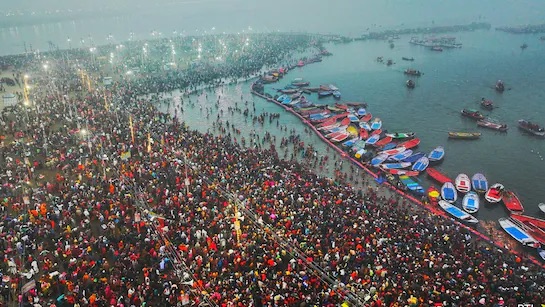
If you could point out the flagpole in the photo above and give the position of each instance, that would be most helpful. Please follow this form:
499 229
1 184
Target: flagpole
132 128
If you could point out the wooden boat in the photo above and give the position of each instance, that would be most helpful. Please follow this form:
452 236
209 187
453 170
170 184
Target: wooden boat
457 213
542 207
500 86
373 139
341 106
473 114
402 155
487 104
514 229
367 117
530 220
407 59
323 94
395 165
392 152
414 157
300 84
512 202
463 185
470 202
356 104
479 183
353 118
378 159
436 48
328 128
365 125
343 136
364 134
350 142
448 192
376 124
389 146
334 109
358 145
395 171
334 134
434 196
338 129
412 72
336 94
531 128
464 135
352 130
383 141
540 251
421 164
412 185
437 154
494 193
410 84
361 112
437 175
491 125
401 135
410 143
376 132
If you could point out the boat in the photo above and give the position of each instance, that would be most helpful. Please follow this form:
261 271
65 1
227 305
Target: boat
390 62
361 112
437 154
300 64
448 192
352 130
407 59
376 124
421 164
393 151
512 202
328 128
372 139
318 118
383 141
436 48
473 114
414 157
396 171
523 46
514 229
494 193
334 109
378 159
282 97
395 165
531 128
365 125
323 94
336 94
529 220
500 86
412 143
300 84
540 251
437 175
434 195
367 117
457 213
341 106
360 153
412 72
353 118
470 202
479 183
389 146
542 207
401 156
350 142
410 84
401 135
412 185
334 134
343 136
364 134
487 104
462 183
464 135
377 132
491 125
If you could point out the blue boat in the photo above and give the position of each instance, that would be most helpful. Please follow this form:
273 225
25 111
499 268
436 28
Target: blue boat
378 159
457 213
281 98
448 192
516 230
365 126
353 118
437 154
421 164
376 124
400 156
414 157
412 185
373 139
337 94
287 100
361 112
479 183
324 94
395 165
319 117
389 146
470 202
351 142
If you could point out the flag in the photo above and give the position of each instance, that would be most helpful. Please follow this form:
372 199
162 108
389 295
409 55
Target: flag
149 142
132 129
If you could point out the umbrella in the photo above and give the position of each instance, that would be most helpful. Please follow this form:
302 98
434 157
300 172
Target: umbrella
434 194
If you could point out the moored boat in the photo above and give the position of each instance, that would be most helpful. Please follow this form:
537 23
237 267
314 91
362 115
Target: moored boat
462 183
372 139
529 220
401 135
437 175
437 154
367 117
336 94
437 48
491 125
412 185
407 59
412 72
531 128
396 171
494 193
433 194
395 165
512 202
360 153
401 156
412 143
479 183
361 112
341 137
514 229
470 202
473 114
542 207
464 135
376 124
393 151
353 118
378 159
350 142
323 94
414 157
448 192
500 86
421 164
383 141
457 213
487 104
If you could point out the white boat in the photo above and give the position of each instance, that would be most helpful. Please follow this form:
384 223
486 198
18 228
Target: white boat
448 192
378 159
479 183
365 125
457 213
353 118
494 194
542 207
517 231
470 203
463 185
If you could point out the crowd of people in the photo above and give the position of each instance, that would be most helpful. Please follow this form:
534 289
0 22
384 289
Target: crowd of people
108 202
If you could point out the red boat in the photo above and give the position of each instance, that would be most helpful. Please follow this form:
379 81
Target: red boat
364 134
490 125
410 143
437 175
474 114
529 220
345 122
367 117
512 202
395 171
334 117
377 132
329 122
341 106
433 194
383 141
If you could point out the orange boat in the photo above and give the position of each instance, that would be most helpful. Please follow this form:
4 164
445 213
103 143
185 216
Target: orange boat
512 202
383 141
529 220
410 143
437 175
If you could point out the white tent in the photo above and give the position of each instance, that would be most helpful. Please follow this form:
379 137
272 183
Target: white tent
8 100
